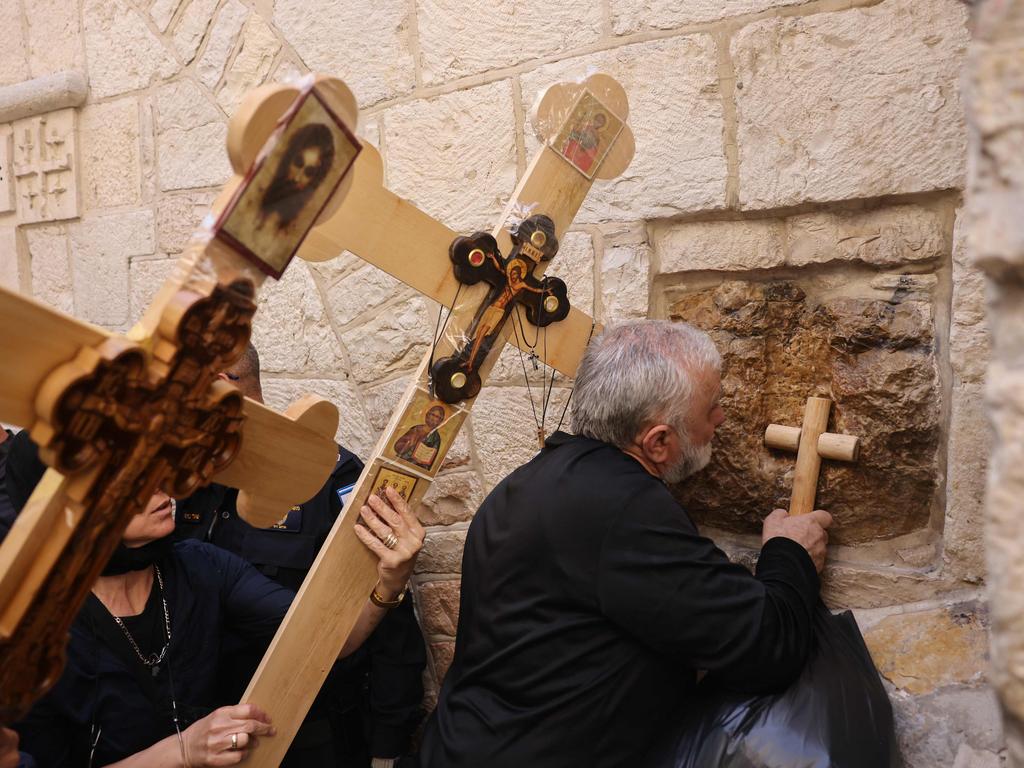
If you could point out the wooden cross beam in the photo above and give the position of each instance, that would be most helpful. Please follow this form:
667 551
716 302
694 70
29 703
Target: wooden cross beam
585 135
118 417
811 443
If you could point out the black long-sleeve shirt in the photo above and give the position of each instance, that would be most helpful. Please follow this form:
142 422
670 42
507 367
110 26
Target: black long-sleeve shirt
209 592
381 682
589 601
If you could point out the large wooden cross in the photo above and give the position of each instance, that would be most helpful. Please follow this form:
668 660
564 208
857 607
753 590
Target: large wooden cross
118 417
583 127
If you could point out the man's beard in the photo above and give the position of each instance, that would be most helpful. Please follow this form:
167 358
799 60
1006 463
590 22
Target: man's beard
692 461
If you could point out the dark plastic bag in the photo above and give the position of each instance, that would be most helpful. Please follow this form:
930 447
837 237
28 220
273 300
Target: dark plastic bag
836 715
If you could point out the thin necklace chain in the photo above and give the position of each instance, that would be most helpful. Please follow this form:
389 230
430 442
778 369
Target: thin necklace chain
153 659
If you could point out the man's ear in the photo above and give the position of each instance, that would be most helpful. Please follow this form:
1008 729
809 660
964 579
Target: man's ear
655 443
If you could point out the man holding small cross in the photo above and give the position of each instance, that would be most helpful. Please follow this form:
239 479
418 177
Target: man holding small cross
589 599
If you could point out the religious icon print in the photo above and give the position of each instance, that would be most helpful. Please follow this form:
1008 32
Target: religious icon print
286 190
587 134
424 433
401 482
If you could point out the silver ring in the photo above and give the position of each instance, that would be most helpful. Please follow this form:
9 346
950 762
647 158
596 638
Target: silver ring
234 741
390 540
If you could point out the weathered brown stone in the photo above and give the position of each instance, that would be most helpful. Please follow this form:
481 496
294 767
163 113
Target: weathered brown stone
453 498
442 653
442 552
439 607
872 353
923 651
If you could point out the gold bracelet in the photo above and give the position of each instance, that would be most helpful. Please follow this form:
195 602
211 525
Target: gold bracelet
380 602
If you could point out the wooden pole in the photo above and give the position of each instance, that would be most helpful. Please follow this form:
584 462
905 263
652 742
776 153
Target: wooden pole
808 461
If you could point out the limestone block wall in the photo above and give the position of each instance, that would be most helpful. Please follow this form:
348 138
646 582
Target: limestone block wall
996 238
797 190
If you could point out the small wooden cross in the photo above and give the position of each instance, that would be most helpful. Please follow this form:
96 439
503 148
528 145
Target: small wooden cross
585 135
812 443
118 417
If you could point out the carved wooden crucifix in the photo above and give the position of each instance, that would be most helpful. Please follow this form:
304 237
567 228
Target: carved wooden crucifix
118 417
585 135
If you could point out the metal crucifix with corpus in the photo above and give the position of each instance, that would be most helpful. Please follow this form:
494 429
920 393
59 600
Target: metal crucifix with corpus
119 417
484 279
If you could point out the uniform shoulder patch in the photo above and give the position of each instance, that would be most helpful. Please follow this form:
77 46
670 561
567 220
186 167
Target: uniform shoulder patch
344 492
290 523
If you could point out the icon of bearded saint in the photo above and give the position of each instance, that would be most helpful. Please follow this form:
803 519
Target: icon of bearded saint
305 164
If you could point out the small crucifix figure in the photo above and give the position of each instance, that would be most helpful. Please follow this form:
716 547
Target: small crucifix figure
512 282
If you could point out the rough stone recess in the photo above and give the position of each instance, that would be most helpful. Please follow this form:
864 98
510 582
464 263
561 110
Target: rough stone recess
459 38
782 342
850 104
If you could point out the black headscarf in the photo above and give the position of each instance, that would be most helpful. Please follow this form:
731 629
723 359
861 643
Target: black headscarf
24 471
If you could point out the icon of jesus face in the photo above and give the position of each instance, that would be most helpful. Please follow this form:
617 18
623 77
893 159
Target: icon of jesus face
434 416
305 164
305 167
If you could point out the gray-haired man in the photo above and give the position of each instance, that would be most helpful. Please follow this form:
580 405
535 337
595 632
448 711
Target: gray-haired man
589 599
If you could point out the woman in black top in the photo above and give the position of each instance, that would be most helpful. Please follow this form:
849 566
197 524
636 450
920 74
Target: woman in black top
139 687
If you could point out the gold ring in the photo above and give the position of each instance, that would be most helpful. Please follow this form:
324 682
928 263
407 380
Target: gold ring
391 540
234 741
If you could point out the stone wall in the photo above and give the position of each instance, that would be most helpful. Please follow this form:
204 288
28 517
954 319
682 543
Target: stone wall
996 239
796 190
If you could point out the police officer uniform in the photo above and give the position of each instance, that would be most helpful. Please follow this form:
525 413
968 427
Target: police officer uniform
371 702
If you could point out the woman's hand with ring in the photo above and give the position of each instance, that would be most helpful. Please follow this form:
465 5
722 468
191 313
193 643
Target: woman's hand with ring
225 736
391 517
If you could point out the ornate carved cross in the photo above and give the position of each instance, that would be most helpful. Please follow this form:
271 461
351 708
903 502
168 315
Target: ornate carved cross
583 127
118 417
476 258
